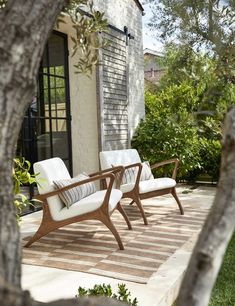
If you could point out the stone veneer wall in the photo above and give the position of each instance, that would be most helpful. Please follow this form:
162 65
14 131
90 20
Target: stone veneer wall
126 13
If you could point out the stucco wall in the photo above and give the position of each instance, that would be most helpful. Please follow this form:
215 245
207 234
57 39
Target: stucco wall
83 96
126 13
84 114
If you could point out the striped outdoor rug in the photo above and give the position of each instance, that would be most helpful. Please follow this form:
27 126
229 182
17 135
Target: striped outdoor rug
89 247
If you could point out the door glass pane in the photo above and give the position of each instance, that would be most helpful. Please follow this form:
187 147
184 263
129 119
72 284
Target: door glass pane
56 55
59 70
43 139
59 138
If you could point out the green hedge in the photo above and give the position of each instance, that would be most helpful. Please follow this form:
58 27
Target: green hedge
158 139
171 130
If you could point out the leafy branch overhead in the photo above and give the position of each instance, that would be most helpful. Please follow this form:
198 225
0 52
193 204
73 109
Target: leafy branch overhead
88 24
208 26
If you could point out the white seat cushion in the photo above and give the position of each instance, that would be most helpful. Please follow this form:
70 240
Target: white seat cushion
126 187
150 185
156 184
88 204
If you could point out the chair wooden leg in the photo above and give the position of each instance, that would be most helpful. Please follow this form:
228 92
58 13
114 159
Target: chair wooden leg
140 206
107 221
132 202
39 234
178 201
123 213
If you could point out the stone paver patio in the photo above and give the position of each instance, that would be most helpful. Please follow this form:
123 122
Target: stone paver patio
46 284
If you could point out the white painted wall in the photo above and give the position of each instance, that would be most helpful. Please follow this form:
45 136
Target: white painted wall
83 98
83 102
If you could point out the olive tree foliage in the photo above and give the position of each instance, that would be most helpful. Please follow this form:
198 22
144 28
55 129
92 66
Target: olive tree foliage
86 27
25 26
207 25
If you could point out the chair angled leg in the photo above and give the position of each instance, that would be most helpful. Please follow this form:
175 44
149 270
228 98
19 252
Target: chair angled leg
123 213
107 221
136 199
132 202
42 231
178 201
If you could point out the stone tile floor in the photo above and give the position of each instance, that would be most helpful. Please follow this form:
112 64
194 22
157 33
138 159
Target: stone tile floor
47 284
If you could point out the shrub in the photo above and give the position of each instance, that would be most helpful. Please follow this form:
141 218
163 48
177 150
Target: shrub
176 125
172 100
122 295
210 151
184 114
158 139
21 176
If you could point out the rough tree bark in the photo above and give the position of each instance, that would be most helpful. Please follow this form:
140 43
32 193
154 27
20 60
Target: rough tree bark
24 27
217 231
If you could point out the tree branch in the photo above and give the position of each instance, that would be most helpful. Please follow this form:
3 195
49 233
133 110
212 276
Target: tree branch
12 296
91 301
217 231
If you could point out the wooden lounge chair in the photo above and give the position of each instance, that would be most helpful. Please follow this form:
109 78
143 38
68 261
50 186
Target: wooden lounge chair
98 205
139 189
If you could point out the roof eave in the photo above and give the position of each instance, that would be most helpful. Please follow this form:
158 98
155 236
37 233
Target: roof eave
139 6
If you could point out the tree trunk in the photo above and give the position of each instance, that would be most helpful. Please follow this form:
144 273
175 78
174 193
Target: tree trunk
25 26
217 231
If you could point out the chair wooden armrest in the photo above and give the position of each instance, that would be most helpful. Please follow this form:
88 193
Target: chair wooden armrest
112 170
117 171
139 165
166 162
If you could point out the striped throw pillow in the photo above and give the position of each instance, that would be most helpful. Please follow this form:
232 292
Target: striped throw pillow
129 176
75 194
146 173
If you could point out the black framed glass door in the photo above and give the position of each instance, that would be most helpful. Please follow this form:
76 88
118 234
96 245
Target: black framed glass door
46 130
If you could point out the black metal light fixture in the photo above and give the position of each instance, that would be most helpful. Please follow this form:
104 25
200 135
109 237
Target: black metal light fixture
128 35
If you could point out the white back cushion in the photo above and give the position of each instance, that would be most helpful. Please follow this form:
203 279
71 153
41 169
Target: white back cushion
50 170
118 157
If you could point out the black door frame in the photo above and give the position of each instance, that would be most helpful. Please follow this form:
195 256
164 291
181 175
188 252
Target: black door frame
28 141
68 117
